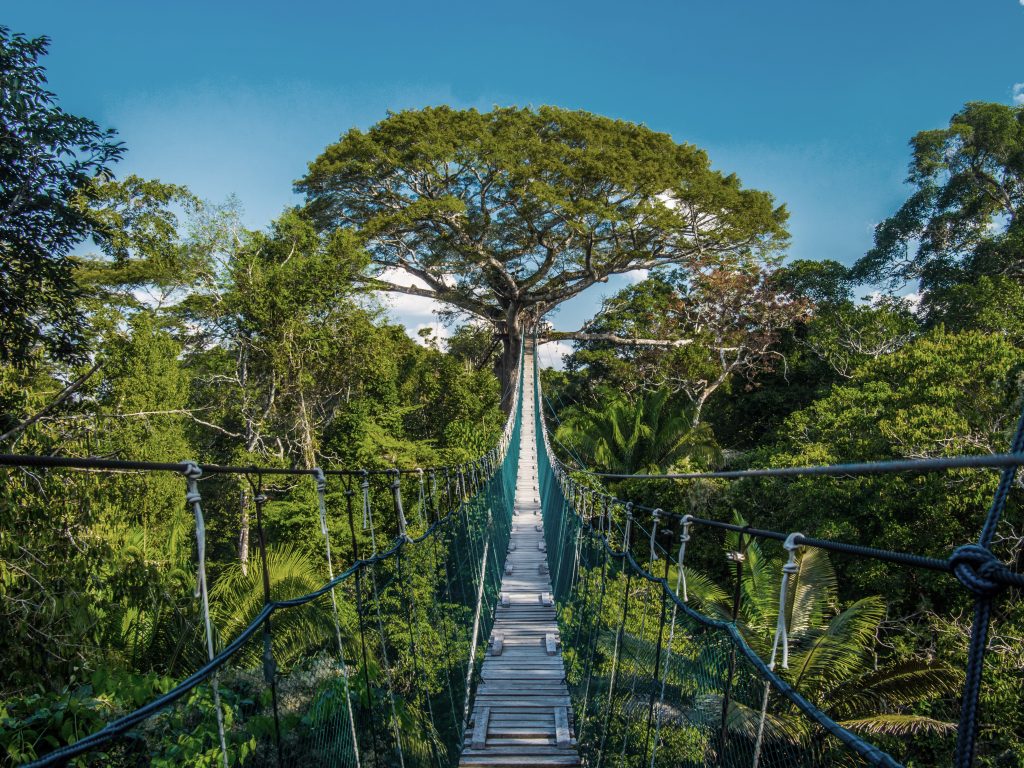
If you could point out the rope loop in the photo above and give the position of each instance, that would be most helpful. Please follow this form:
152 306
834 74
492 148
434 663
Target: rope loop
979 570
655 515
791 545
321 489
626 534
194 499
684 536
396 491
192 474
319 479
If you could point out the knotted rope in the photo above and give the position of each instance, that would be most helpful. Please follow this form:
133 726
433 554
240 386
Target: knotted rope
194 499
684 537
368 509
781 635
655 515
396 492
321 496
781 632
423 495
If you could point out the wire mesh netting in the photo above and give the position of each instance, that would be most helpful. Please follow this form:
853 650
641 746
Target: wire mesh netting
375 668
653 682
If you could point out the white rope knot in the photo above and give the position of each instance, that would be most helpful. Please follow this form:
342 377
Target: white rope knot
396 491
656 515
629 527
781 632
321 490
365 486
684 537
423 493
319 479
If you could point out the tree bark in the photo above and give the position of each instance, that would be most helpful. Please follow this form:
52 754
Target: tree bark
507 363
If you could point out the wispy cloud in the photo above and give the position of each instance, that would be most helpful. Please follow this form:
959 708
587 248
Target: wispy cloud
1018 88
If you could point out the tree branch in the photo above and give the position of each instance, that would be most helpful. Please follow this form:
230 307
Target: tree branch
447 297
64 395
614 339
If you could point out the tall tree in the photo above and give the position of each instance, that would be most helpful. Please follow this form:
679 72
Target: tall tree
505 215
689 331
47 159
964 217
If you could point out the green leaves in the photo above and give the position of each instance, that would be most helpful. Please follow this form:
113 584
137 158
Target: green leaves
47 158
643 436
963 220
505 215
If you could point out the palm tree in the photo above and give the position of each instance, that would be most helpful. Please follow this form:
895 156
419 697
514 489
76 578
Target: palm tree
236 598
642 436
832 660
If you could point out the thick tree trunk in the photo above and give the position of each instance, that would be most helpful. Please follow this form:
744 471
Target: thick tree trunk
507 362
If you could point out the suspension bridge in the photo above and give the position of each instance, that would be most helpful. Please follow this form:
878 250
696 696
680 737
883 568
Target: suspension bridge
505 612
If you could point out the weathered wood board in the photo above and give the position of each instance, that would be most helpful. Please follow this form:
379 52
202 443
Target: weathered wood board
522 713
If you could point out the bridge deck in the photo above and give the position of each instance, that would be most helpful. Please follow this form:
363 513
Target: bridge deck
522 715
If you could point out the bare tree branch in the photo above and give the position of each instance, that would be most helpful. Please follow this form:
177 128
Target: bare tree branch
69 390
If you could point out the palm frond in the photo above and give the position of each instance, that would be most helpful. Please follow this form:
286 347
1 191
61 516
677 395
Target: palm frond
811 592
899 684
236 598
838 652
898 725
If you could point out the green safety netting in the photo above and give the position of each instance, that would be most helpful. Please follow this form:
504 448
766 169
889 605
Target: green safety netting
652 681
377 667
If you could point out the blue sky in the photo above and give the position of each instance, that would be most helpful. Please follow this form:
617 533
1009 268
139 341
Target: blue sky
813 101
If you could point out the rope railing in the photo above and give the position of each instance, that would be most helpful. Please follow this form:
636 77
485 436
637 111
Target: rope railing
373 667
707 660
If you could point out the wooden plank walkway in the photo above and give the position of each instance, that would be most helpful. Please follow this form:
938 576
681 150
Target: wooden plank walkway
522 715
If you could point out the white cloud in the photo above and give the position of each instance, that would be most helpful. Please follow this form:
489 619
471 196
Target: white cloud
1018 88
636 275
913 300
553 354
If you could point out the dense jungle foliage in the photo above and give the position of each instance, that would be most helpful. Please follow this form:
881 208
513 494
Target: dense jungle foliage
936 373
140 322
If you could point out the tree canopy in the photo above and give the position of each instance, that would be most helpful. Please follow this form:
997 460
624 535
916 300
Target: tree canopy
964 218
504 215
48 158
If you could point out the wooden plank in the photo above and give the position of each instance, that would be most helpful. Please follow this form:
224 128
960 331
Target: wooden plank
480 727
523 699
497 642
562 728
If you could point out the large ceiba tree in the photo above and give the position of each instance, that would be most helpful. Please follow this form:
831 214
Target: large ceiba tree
504 215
